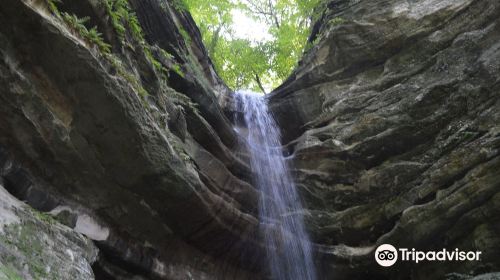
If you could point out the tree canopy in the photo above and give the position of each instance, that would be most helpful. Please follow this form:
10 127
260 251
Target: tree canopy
258 63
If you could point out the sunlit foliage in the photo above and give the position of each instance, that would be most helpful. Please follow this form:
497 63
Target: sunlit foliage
246 63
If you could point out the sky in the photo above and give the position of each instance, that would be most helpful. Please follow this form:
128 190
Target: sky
246 27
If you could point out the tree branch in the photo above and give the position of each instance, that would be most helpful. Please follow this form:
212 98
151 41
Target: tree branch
259 83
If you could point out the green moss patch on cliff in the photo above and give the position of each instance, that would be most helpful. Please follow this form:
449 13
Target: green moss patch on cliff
37 247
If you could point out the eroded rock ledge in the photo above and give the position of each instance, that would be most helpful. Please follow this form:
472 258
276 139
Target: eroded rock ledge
391 120
131 147
393 123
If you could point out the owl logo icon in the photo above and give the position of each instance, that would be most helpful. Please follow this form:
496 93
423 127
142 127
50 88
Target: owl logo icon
386 255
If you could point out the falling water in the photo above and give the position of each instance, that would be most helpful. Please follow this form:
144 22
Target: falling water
287 242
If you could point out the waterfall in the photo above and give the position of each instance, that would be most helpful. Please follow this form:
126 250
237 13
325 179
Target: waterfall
287 242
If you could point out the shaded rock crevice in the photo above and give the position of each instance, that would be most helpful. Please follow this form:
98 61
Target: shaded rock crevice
390 122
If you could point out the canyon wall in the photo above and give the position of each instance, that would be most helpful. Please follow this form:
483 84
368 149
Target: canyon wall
118 159
392 121
128 147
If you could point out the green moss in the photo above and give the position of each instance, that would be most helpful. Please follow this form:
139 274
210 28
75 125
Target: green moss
331 23
335 21
308 46
178 148
177 69
156 64
468 135
320 6
26 239
166 54
181 153
185 35
44 217
180 5
9 272
131 79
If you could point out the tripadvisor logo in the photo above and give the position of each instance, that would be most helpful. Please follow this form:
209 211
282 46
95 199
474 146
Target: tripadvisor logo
387 255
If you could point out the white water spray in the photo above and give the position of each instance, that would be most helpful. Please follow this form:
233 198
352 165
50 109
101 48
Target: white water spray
287 242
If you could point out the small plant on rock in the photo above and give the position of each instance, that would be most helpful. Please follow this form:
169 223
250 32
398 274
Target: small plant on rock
92 36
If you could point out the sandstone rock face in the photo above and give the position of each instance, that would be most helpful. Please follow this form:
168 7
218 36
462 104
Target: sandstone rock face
130 148
34 246
391 121
394 133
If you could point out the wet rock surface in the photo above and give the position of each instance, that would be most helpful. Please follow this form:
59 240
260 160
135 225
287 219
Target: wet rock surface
35 246
118 148
391 122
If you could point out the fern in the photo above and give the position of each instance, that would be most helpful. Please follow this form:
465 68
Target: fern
74 21
131 79
121 15
135 27
53 6
92 36
115 13
177 69
95 37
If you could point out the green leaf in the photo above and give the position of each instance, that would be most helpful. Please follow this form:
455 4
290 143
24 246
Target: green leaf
246 64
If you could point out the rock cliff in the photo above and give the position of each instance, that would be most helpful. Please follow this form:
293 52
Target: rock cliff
394 133
123 140
116 135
